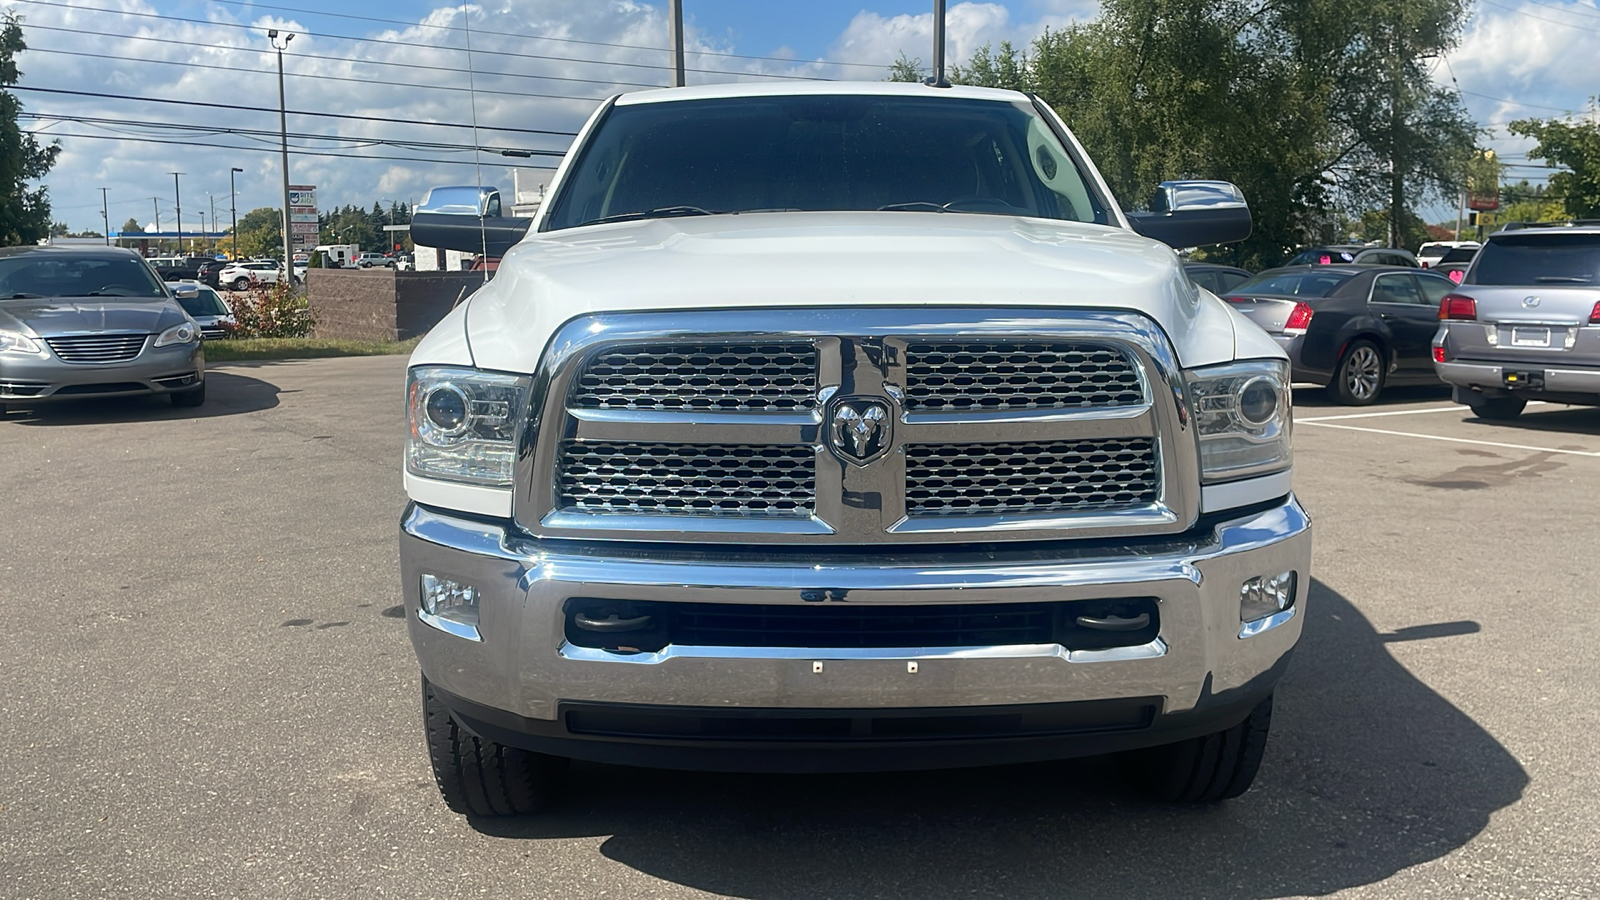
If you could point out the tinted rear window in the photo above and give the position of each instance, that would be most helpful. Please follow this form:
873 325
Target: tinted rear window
1322 256
1293 284
1459 254
1539 259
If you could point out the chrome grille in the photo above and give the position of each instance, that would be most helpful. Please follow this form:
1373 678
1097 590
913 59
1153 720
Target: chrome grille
1004 375
687 479
1055 477
97 348
719 377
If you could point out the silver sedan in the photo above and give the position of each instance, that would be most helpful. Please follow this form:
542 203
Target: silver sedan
93 322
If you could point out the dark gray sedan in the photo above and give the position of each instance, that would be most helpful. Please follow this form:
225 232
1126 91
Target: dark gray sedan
93 322
1355 328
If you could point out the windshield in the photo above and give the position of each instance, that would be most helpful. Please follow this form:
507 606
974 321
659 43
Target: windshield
1527 259
750 154
205 303
1293 284
62 275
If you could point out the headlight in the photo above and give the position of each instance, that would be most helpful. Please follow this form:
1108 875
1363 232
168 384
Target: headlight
463 424
182 333
1241 413
15 342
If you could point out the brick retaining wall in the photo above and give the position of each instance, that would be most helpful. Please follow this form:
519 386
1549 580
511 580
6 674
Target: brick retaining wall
382 304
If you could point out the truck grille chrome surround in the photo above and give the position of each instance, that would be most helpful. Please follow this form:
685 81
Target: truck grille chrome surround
97 348
718 426
1053 477
674 376
1027 375
687 479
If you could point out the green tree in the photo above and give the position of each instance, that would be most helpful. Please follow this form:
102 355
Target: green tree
905 70
24 213
60 229
1524 202
132 226
261 232
1575 145
1263 93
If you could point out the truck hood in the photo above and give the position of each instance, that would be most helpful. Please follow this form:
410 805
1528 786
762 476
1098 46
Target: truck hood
830 259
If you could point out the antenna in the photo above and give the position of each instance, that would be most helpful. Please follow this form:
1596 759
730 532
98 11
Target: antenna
937 79
477 163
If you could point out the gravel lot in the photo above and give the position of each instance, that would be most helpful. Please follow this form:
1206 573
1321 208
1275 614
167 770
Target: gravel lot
208 693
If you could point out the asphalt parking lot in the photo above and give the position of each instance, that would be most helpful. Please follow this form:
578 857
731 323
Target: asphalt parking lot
208 692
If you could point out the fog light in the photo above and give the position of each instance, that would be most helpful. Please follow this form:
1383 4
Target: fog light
1261 596
450 606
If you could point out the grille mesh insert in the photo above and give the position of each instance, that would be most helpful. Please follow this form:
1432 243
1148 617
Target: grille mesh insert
716 377
997 376
687 479
1044 477
97 348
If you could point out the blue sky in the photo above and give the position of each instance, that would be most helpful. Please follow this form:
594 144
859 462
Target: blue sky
388 79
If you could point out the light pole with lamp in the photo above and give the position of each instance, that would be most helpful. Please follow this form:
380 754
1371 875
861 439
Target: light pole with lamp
202 236
283 130
233 208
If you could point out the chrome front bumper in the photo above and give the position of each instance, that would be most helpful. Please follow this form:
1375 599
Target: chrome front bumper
518 663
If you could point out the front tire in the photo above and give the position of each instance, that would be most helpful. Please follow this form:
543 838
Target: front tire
1498 408
241 283
1359 377
1206 769
194 396
482 778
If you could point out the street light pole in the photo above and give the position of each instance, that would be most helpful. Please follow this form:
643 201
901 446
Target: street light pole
213 201
178 201
105 214
283 129
233 193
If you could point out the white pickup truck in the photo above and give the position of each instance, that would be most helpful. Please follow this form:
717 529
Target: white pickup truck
844 427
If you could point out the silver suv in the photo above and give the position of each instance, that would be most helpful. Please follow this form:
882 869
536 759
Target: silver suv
1525 322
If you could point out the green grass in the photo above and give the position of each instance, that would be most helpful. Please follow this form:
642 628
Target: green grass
300 348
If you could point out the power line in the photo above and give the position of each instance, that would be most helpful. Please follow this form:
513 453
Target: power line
398 84
1507 9
326 115
219 130
322 153
343 59
540 37
409 46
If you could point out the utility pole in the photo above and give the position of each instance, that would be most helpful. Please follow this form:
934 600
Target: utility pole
156 205
283 129
675 14
233 207
105 214
178 201
937 79
213 201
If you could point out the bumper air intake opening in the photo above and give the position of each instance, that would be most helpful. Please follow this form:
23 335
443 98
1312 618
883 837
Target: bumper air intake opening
663 723
649 626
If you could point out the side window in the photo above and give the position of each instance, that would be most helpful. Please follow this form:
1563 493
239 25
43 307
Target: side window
1433 288
1207 280
1396 289
1227 281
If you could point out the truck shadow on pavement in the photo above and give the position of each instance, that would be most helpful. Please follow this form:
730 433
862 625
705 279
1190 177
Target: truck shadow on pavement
227 394
1368 772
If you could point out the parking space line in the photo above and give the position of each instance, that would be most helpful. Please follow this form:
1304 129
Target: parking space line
1454 440
1396 412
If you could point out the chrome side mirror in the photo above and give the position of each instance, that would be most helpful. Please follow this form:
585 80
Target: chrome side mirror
185 291
1194 214
466 218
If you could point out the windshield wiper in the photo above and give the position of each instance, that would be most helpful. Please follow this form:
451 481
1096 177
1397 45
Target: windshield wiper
663 212
914 206
1562 279
26 297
